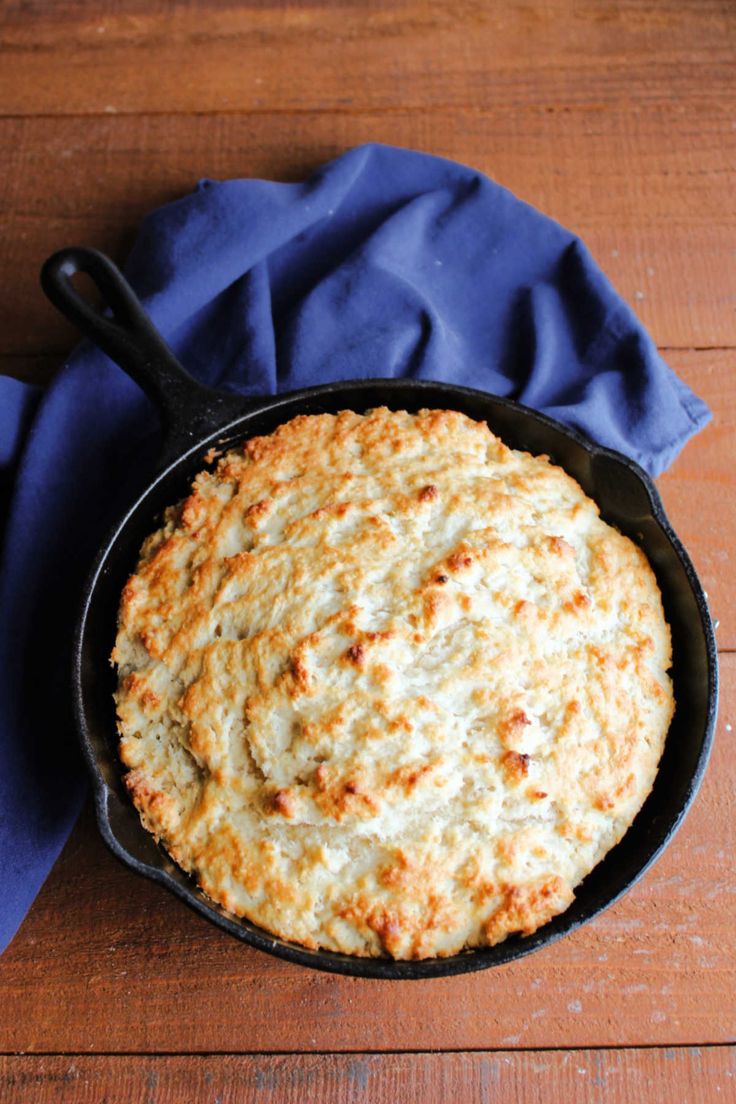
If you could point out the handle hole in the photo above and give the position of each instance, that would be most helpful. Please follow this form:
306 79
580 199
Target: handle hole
86 287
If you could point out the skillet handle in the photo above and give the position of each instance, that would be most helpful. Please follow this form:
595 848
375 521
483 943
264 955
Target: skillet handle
188 410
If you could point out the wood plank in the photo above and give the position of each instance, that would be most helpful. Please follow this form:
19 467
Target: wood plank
107 962
131 56
699 490
38 368
648 190
698 1075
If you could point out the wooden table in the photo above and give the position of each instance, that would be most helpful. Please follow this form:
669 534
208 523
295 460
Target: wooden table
619 119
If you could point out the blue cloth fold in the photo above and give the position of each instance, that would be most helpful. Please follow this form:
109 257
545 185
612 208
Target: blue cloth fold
386 262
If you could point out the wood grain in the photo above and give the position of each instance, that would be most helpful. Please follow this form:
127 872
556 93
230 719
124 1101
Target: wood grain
698 1075
646 189
134 57
108 962
699 490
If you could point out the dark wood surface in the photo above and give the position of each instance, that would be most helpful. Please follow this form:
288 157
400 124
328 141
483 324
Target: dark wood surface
697 1075
618 120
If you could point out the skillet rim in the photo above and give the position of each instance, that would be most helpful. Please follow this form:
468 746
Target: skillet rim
182 885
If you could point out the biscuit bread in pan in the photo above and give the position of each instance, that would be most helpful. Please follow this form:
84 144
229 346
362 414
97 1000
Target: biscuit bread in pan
195 420
387 686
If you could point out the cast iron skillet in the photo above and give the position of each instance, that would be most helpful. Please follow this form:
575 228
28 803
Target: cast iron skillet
194 419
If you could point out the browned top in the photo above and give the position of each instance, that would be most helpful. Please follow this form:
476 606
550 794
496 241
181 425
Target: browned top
373 719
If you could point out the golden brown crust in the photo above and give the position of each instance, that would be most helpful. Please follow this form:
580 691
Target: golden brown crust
388 686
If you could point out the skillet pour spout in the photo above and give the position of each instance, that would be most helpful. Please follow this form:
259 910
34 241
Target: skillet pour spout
194 419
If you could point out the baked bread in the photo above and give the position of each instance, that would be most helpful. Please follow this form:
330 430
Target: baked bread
387 686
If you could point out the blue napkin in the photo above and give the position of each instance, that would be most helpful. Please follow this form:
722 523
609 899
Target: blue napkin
386 262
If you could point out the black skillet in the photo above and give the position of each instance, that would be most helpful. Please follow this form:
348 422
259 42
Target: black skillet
194 419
